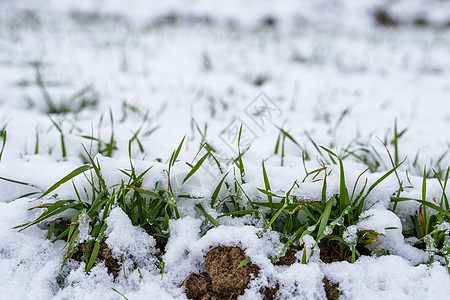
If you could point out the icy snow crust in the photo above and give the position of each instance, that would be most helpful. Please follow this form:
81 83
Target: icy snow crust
312 76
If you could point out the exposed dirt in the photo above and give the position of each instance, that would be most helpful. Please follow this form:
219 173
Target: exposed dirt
331 289
384 18
288 258
270 293
104 255
330 255
196 286
224 279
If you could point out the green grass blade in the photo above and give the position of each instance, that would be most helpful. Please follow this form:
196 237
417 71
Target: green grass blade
208 216
324 220
196 167
66 178
267 186
175 154
240 212
425 203
96 248
216 191
273 219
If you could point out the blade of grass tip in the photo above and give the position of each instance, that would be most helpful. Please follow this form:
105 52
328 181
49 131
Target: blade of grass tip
304 258
267 186
248 198
110 146
304 164
383 177
175 154
239 159
277 144
344 200
392 161
444 188
3 136
196 167
244 262
18 182
54 209
315 146
425 203
356 183
119 293
273 219
324 190
149 193
96 168
141 176
208 216
424 184
424 192
211 150
63 144
66 178
291 139
269 194
216 191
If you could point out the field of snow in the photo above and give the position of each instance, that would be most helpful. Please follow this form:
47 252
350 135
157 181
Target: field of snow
225 109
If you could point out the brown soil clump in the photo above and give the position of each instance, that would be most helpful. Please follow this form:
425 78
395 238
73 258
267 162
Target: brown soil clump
196 286
104 254
288 258
270 293
224 279
384 18
331 289
330 255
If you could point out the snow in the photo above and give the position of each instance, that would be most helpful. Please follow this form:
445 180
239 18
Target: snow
197 80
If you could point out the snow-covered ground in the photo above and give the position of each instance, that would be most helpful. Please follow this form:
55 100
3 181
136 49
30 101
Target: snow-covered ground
324 73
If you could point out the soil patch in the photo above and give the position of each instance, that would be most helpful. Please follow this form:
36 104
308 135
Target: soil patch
330 254
384 18
288 258
270 293
225 279
104 255
331 289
